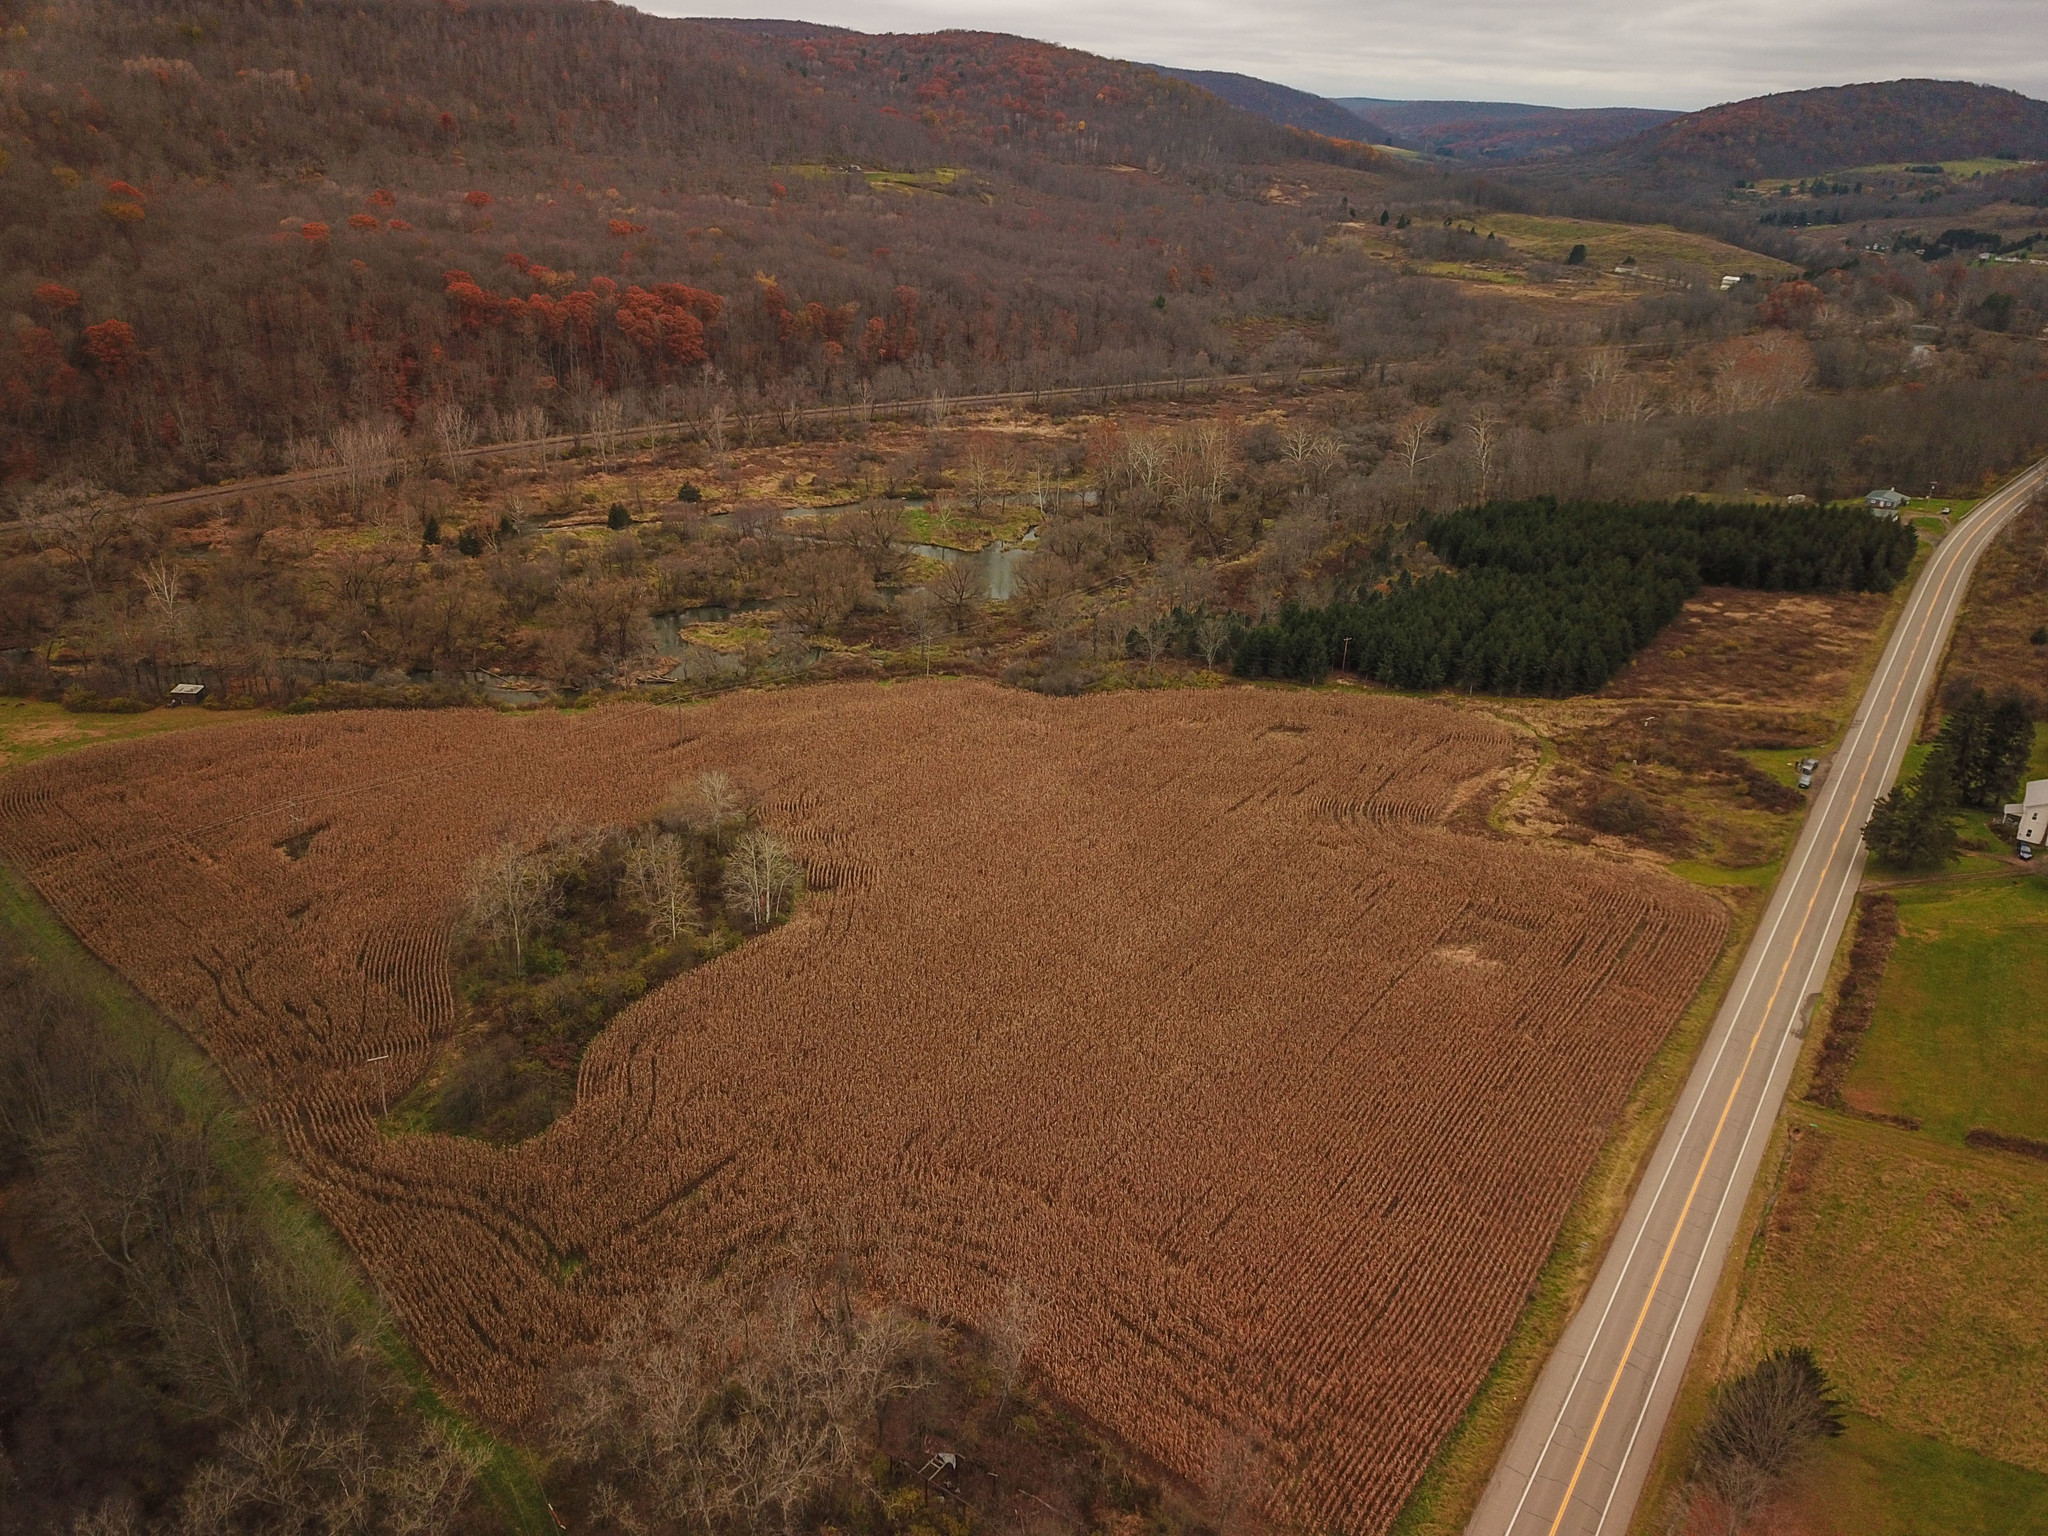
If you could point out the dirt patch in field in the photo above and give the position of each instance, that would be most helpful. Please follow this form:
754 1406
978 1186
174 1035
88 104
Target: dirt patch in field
1183 1010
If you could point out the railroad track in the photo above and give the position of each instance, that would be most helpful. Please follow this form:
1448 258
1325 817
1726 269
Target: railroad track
816 415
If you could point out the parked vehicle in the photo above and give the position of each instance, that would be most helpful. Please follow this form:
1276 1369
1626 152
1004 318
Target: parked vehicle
2026 850
1807 765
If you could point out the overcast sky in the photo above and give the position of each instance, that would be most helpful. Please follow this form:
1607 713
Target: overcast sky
1644 53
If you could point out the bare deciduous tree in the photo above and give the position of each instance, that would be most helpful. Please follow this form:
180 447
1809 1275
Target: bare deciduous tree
658 883
164 583
1484 430
455 430
960 590
367 452
1012 1334
878 535
714 805
81 522
825 586
714 1408
919 612
511 891
1411 445
761 879
1761 1424
607 419
981 469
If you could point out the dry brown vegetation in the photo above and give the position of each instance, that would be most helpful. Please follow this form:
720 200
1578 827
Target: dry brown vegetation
1994 646
1794 650
1183 1011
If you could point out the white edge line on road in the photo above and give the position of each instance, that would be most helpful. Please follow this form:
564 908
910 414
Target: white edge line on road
1826 953
1757 947
1902 661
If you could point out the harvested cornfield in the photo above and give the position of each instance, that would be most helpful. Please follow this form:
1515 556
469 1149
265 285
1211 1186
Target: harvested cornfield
1184 1009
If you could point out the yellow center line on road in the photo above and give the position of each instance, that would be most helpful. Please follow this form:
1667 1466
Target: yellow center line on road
1678 1227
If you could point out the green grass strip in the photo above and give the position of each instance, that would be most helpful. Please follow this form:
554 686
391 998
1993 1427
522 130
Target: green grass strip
509 1479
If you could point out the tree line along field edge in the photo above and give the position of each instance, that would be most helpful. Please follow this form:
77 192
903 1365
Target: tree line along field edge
134 1035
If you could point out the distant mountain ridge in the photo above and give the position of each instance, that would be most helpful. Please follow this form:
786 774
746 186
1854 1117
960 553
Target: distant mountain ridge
1801 133
1502 130
1281 104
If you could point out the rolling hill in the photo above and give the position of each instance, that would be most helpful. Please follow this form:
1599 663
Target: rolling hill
1501 130
1282 103
1803 133
226 241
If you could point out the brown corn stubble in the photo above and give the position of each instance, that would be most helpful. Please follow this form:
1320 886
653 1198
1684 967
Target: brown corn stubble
1183 1010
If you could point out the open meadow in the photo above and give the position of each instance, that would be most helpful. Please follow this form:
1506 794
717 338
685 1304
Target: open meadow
1960 1041
1186 1012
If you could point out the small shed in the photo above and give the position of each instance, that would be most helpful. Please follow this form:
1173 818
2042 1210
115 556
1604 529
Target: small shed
1885 503
187 693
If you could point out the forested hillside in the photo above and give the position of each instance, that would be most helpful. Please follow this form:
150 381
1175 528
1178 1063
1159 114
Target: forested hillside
1501 130
1800 133
1282 104
229 236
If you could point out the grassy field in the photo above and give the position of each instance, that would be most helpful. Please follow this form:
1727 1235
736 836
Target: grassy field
1607 244
1983 165
895 181
30 729
1915 1272
1960 1038
1877 1481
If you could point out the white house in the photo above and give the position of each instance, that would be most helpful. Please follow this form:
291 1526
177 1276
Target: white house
2031 813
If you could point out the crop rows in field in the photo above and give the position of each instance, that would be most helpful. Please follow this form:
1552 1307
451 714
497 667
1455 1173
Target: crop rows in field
1184 1009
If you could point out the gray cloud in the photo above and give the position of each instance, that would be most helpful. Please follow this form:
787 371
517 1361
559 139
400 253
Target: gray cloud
1657 53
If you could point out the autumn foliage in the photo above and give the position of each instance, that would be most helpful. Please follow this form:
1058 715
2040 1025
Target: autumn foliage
1185 1012
1047 195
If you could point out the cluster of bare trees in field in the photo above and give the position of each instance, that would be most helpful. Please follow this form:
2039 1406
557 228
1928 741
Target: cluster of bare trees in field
516 888
172 1360
724 1406
563 924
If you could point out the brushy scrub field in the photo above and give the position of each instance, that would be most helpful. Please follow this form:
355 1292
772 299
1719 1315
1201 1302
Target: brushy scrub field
1185 1011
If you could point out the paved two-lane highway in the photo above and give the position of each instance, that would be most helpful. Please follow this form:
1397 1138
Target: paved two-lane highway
1577 1461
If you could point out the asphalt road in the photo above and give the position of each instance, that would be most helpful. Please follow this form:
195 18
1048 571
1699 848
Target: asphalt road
1582 1450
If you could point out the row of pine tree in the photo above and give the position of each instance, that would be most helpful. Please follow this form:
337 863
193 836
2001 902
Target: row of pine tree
1549 597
